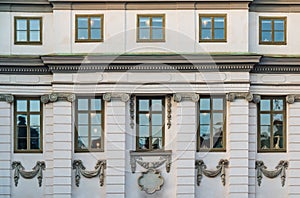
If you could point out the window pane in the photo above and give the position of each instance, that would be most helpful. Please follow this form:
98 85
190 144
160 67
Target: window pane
82 22
278 24
266 24
83 130
204 118
21 36
278 131
95 34
96 130
265 119
157 131
34 24
144 119
144 105
266 36
34 138
277 104
206 34
218 138
143 143
22 120
204 136
144 33
83 142
83 118
156 119
206 22
156 105
204 104
265 105
82 34
35 105
21 105
156 143
265 137
96 104
96 118
22 132
21 24
34 36
219 22
278 36
157 33
95 22
218 120
157 22
96 142
22 143
218 103
219 34
83 104
35 121
144 22
143 131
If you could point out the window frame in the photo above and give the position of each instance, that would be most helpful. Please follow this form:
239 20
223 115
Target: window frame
163 98
150 39
284 131
211 111
28 42
273 42
28 113
89 40
212 28
102 111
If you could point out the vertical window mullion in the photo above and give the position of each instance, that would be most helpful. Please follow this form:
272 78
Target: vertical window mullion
89 28
151 27
213 28
28 124
89 123
150 122
211 123
28 29
271 120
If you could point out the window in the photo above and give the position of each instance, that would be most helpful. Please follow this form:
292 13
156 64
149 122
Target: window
89 125
28 125
272 30
151 28
28 30
271 124
212 124
150 123
89 28
212 28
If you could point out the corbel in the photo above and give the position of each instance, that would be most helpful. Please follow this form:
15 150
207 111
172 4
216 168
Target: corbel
7 98
124 97
54 97
178 97
292 98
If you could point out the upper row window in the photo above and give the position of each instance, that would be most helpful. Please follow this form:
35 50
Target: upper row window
151 28
28 30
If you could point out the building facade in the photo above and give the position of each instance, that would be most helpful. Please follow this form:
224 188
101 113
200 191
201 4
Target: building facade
149 98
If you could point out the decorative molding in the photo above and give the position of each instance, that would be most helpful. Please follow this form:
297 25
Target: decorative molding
239 95
80 170
7 98
256 98
124 97
280 169
150 181
169 111
178 97
131 111
54 97
137 158
292 98
201 170
20 170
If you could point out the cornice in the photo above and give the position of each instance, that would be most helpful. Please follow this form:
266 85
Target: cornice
288 6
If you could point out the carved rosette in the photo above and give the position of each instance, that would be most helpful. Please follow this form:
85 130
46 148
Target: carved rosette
256 98
54 97
201 170
292 98
124 97
150 181
80 170
239 95
169 111
7 98
37 170
280 169
178 97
